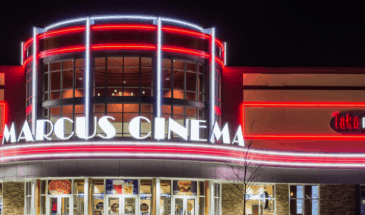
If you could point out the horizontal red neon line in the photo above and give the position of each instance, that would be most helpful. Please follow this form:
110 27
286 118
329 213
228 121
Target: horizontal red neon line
28 43
122 46
123 27
61 51
184 31
304 104
185 51
27 60
219 43
61 32
219 61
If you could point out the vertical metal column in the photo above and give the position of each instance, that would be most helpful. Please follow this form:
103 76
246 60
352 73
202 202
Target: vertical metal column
33 202
211 209
212 81
158 194
22 53
225 53
86 196
158 69
34 81
87 78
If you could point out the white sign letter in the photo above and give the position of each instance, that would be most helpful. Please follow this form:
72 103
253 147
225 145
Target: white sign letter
178 129
135 127
195 129
59 128
26 132
41 127
217 133
238 137
107 127
159 128
9 135
80 128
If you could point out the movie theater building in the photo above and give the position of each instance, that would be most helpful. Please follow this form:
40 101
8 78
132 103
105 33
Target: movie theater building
126 115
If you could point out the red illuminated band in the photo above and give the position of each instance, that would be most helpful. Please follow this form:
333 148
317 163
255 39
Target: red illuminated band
27 60
301 136
61 51
26 44
219 43
185 51
184 31
219 61
122 46
123 27
4 116
62 32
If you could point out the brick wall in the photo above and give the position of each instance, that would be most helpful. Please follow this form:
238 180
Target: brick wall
231 203
13 198
337 200
282 199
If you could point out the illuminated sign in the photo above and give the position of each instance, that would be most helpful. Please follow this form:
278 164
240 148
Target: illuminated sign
348 122
190 132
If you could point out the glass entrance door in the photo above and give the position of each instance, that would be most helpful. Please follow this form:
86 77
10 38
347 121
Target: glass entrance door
185 206
59 205
121 205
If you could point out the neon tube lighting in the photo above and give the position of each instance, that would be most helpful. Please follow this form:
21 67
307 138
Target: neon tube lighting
87 77
219 61
64 23
159 52
34 81
122 46
185 51
225 53
27 60
177 144
123 17
4 115
219 43
212 79
61 51
184 31
28 42
301 136
61 32
21 53
123 27
182 23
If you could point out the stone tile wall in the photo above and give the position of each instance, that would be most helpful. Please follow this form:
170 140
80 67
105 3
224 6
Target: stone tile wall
13 198
337 199
231 203
282 199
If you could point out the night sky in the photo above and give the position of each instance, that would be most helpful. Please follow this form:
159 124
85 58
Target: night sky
258 33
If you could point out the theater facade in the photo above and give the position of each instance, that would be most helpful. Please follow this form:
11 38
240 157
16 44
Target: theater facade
126 115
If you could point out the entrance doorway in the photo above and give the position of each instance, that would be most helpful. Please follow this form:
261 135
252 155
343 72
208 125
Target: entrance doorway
185 206
121 205
58 205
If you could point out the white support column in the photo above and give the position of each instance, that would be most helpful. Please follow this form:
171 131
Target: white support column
22 53
212 81
87 77
225 54
33 206
158 194
211 209
34 81
158 68
86 196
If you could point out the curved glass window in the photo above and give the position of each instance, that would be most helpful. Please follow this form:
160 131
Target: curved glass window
185 82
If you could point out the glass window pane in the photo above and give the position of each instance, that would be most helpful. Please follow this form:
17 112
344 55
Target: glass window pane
79 109
146 61
115 76
67 76
55 111
114 108
55 66
67 109
115 61
147 92
191 81
79 93
178 110
80 63
190 67
166 63
55 80
99 77
178 80
99 62
146 187
166 109
146 77
45 82
178 64
178 94
79 78
191 96
131 76
55 95
68 64
131 61
131 108
166 78
146 108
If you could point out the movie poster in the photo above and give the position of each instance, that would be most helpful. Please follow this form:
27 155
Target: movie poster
185 188
121 186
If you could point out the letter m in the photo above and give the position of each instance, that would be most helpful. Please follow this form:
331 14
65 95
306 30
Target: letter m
217 133
9 135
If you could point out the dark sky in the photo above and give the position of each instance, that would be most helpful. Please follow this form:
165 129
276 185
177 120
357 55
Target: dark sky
258 33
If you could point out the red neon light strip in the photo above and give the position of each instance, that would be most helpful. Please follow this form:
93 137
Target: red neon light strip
122 46
27 60
219 43
185 51
184 31
4 117
61 32
61 51
123 27
27 43
219 61
301 136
